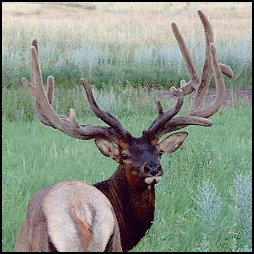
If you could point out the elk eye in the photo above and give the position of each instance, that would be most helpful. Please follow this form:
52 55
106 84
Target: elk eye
124 156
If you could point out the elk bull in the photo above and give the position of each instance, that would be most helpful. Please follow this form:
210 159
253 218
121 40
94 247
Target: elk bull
115 214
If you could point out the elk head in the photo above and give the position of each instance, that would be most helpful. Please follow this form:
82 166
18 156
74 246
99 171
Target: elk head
140 158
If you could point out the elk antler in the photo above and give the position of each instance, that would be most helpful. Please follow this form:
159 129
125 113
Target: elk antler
43 105
166 122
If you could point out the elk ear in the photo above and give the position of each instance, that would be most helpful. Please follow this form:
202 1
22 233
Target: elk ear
107 148
173 142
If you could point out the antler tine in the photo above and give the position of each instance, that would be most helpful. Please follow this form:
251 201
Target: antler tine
50 89
30 86
211 66
207 69
104 115
220 88
226 70
180 122
42 104
193 84
43 101
35 44
162 117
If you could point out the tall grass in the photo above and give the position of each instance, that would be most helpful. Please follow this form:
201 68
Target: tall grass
17 104
242 194
119 48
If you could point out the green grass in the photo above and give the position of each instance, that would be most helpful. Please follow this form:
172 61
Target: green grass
35 156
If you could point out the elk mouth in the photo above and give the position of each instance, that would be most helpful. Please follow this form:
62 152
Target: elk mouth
152 179
149 179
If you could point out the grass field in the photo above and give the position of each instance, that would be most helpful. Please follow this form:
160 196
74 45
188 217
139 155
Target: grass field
203 201
128 52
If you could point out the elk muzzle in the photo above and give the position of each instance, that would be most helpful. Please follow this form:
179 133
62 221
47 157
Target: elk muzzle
153 171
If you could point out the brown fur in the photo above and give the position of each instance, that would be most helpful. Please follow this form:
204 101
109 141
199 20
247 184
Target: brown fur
132 198
134 207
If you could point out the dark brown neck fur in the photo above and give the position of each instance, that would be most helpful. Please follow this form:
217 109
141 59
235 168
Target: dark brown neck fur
133 204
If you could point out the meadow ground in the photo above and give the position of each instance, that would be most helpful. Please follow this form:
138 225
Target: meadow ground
128 52
203 201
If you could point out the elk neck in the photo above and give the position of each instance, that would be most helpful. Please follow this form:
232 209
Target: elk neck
134 205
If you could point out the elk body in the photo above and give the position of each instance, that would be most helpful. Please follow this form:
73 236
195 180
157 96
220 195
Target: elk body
115 214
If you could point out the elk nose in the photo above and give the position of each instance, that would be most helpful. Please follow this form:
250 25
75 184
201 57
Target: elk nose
153 169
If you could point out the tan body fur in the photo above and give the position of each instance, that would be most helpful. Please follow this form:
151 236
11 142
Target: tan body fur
69 216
